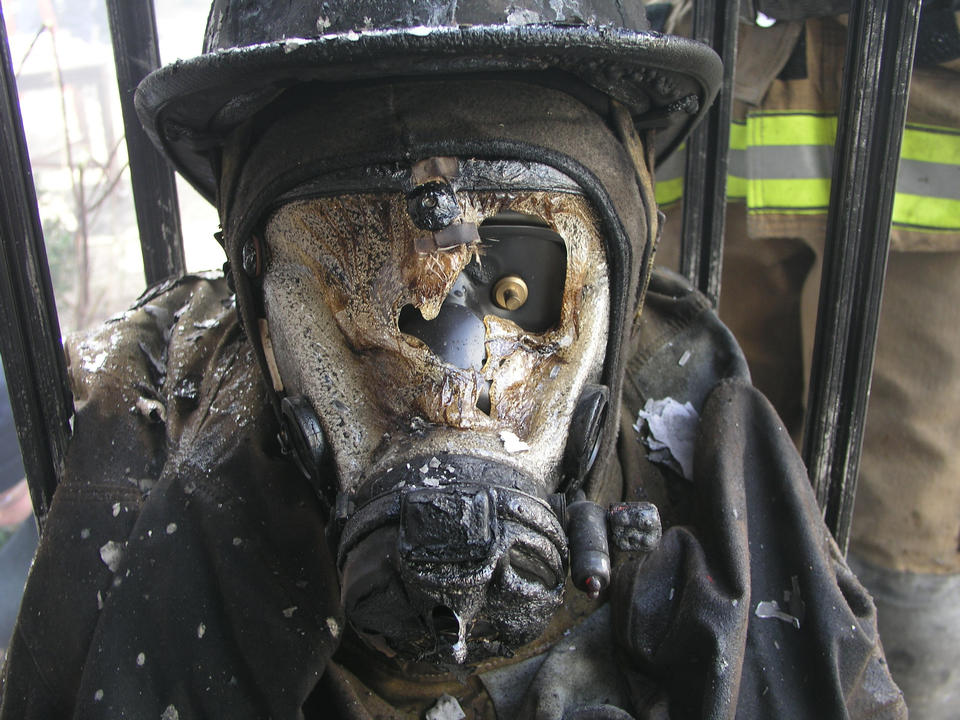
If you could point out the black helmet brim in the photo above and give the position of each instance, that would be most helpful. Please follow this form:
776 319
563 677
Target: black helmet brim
189 107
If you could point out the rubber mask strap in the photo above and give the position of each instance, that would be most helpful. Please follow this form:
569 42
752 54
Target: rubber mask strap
643 162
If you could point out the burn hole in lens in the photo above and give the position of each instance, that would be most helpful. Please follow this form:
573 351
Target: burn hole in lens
445 624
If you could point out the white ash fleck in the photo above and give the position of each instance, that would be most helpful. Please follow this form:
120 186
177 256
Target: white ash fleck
288 613
141 659
201 630
323 23
95 364
99 600
668 429
98 696
431 482
434 463
85 533
289 45
116 509
770 609
425 469
446 708
511 443
672 593
170 713
523 17
684 358
237 542
111 553
171 528
333 626
189 488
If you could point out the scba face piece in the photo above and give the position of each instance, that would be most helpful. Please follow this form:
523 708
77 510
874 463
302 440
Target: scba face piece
444 361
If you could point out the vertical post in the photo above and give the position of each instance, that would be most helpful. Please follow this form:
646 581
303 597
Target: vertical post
705 180
133 27
876 82
29 330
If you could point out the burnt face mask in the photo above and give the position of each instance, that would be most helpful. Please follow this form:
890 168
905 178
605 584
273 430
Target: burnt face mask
444 340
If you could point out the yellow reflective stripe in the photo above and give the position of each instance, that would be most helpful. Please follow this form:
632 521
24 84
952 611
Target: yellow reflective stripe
668 191
925 213
791 129
736 187
738 136
788 195
931 144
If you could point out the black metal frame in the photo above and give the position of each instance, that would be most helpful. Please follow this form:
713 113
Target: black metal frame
705 179
876 83
29 329
133 27
879 59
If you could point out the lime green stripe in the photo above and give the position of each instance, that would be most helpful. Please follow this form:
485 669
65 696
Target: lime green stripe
668 191
738 136
926 212
930 146
788 195
775 129
736 187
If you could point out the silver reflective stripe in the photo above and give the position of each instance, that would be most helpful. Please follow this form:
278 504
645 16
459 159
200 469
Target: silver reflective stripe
789 162
929 179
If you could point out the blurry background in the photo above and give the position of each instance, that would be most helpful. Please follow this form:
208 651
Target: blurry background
63 60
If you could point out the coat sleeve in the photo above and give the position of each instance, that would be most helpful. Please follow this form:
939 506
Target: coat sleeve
749 611
183 570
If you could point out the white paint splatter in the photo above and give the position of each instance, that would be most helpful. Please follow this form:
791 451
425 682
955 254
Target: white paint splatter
171 528
98 696
116 509
170 713
201 630
111 553
511 443
141 659
95 364
288 613
333 626
523 17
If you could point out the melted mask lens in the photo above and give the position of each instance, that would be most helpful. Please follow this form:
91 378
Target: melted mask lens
518 276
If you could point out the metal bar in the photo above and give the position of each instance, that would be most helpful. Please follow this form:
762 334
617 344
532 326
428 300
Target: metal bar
133 27
29 330
876 82
705 180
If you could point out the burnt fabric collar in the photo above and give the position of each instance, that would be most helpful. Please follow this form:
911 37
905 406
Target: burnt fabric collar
307 136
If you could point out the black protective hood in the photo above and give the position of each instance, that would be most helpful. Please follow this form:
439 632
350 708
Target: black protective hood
397 124
255 50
